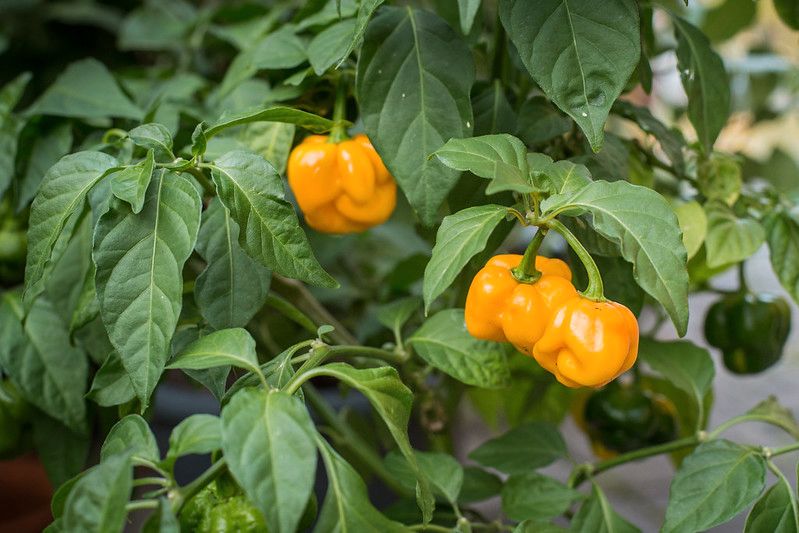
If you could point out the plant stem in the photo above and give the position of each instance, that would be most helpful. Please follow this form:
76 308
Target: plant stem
207 186
582 472
368 351
339 131
141 504
318 354
595 289
290 311
430 527
742 286
526 271
183 494
785 449
150 481
306 302
354 442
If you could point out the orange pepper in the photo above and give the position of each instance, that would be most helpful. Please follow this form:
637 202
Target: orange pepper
588 343
341 187
502 309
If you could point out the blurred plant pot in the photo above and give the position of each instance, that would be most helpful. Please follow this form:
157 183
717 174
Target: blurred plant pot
25 494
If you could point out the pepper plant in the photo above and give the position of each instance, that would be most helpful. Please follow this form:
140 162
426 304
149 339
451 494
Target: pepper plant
209 205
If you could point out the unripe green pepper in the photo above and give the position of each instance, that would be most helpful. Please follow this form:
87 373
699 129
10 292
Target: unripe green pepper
234 515
749 329
623 418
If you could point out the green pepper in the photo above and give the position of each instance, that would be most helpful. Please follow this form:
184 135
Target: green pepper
234 515
622 418
749 329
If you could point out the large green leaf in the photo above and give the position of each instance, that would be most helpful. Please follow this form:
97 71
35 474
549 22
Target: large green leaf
61 193
85 90
580 52
221 348
155 137
693 223
131 436
459 238
139 279
270 232
233 286
347 507
730 239
685 365
443 342
499 157
41 360
467 10
96 503
413 83
716 482
268 441
366 9
557 177
533 495
393 401
775 511
522 449
783 244
597 516
46 150
130 184
62 451
444 472
111 385
644 227
288 115
540 121
705 81
492 111
329 45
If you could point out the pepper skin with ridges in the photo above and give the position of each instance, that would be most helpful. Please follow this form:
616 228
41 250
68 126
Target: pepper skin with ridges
341 187
588 343
502 309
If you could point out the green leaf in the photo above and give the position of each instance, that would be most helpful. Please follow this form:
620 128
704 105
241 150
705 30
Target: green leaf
522 449
728 18
366 9
329 45
532 495
444 472
155 137
12 92
233 287
705 81
444 343
197 434
492 111
163 520
394 315
96 504
597 516
559 177
130 184
460 237
499 157
46 150
685 365
139 279
716 482
61 193
157 26
287 115
478 485
719 177
268 441
693 223
783 244
671 140
413 84
10 127
393 402
41 360
467 9
347 506
772 412
540 121
213 379
730 239
85 90
269 229
111 385
644 227
131 436
59 499
774 512
788 10
233 346
580 52
62 451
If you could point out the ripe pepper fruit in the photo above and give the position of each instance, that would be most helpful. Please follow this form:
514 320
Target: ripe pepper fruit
588 343
341 187
749 329
621 419
502 309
